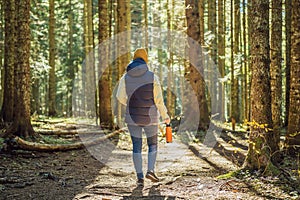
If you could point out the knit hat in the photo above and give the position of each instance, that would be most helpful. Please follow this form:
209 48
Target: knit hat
141 53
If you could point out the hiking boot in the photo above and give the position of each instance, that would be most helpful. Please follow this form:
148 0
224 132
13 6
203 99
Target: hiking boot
140 182
150 175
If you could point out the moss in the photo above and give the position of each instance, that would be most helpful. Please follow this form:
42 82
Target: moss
229 175
271 170
52 140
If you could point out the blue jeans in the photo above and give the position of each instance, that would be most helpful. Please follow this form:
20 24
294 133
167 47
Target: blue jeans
136 138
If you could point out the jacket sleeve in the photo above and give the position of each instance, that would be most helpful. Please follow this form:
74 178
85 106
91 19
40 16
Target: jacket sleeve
121 92
158 99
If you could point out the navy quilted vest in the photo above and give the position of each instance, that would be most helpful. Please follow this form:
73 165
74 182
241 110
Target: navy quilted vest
139 81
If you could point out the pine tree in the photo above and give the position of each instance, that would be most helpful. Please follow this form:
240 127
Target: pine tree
52 52
9 60
21 123
293 133
275 66
261 141
105 80
192 74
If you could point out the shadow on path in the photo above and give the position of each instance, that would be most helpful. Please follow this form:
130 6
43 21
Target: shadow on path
154 194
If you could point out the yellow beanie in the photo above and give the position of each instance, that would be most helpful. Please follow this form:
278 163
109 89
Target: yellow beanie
141 53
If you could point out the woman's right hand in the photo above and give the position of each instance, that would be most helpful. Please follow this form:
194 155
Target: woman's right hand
167 120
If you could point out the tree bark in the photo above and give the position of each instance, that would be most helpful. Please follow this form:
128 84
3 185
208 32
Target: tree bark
123 46
146 24
105 92
71 67
245 71
9 60
261 144
1 52
221 57
288 26
275 66
33 146
170 103
293 133
52 52
235 104
88 71
124 21
21 124
194 76
212 27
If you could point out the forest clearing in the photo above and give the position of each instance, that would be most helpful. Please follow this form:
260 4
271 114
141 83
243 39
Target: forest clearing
149 99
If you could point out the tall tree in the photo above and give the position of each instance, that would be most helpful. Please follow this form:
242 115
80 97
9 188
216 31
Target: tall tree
1 53
235 63
9 60
170 102
195 76
123 46
52 52
275 66
261 141
124 25
221 56
146 24
201 6
89 67
71 67
104 78
293 133
245 67
288 26
212 25
21 123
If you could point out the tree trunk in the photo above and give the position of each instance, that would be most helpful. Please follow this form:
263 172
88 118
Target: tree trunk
275 66
52 52
221 57
170 102
1 53
71 67
261 144
201 5
33 146
235 64
89 65
123 27
21 124
293 134
245 72
288 26
192 74
212 25
9 60
146 24
104 78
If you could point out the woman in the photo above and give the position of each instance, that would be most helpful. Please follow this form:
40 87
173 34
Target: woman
139 89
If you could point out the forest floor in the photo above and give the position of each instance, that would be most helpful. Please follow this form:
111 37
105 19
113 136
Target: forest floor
187 171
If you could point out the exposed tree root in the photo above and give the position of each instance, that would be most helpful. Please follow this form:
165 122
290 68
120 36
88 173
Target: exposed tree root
34 146
63 132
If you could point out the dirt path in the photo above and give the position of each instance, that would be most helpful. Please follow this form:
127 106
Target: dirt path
186 172
183 176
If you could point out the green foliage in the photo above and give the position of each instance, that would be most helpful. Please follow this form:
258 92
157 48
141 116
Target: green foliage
54 140
229 175
256 125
